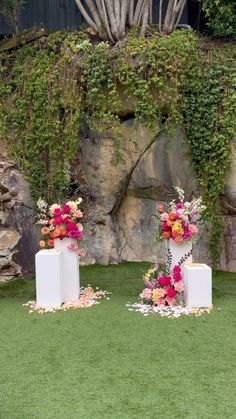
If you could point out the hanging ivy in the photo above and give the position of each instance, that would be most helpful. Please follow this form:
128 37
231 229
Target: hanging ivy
49 87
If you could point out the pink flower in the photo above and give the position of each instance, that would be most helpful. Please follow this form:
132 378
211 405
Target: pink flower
180 205
76 234
146 294
72 226
171 292
177 276
165 227
58 219
164 216
161 301
57 212
164 281
193 228
78 214
179 286
170 301
67 219
66 209
177 268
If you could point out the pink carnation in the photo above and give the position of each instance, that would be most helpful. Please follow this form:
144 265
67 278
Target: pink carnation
180 205
170 301
179 286
177 268
146 294
171 292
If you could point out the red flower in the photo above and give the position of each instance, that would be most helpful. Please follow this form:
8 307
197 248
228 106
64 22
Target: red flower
58 220
177 276
66 209
171 292
57 212
164 281
72 226
177 268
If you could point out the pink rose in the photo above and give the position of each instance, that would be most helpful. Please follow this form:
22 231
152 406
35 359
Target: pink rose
177 268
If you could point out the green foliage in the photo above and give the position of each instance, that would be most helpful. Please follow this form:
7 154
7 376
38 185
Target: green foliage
48 88
222 17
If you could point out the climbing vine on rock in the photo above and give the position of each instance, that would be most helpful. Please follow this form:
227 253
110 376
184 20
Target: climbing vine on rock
57 86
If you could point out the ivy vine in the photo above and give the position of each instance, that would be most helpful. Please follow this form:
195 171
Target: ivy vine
49 87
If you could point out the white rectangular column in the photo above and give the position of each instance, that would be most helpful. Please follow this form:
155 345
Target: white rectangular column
49 285
70 269
197 279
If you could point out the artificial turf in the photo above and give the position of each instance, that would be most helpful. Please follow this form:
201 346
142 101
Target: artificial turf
109 362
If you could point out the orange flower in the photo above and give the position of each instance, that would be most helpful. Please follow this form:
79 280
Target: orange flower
42 244
179 239
54 234
170 223
161 207
52 221
51 243
172 216
166 234
63 231
45 230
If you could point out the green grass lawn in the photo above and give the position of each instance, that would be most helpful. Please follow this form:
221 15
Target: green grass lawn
108 362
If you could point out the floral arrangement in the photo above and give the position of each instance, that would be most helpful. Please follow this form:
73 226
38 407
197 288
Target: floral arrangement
59 222
161 289
178 220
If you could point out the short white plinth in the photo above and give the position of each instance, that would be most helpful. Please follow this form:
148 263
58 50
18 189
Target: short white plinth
49 286
179 253
70 269
197 278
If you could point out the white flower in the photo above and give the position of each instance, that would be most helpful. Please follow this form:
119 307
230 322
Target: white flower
53 207
78 201
80 227
72 204
41 204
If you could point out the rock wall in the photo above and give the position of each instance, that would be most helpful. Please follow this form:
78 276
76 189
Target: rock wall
123 197
18 236
119 200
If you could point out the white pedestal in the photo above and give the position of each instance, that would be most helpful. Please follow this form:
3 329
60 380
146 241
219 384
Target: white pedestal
197 278
179 252
49 286
70 269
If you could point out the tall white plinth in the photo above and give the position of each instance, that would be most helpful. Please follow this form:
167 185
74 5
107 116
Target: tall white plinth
70 269
197 278
49 286
178 253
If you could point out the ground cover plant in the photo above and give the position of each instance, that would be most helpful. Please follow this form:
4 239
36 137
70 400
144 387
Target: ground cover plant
109 362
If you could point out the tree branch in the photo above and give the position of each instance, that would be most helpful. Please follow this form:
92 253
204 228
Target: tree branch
86 16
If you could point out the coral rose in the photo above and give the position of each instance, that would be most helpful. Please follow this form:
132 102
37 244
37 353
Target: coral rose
45 230
51 243
52 221
166 235
161 207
